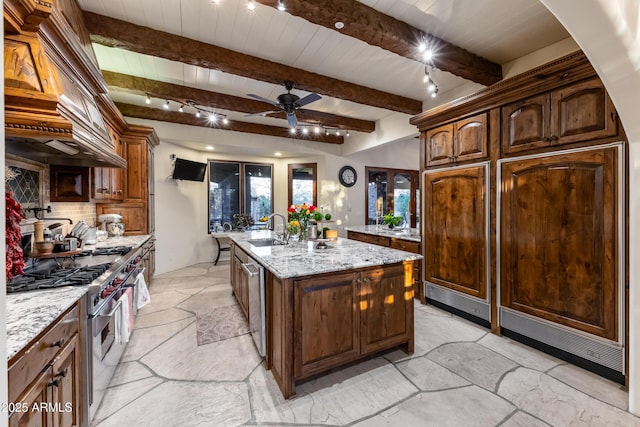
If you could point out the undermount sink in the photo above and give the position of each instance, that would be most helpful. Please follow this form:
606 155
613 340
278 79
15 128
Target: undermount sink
262 242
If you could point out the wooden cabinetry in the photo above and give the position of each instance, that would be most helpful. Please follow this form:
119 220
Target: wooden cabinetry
456 231
45 385
574 113
401 244
148 261
321 322
108 183
463 140
137 206
239 280
559 245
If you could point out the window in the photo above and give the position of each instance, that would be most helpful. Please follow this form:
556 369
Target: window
302 184
239 188
392 190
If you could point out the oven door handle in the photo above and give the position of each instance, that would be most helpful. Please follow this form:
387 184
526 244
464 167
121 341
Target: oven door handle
114 310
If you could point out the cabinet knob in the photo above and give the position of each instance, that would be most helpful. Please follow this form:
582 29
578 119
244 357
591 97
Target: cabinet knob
58 343
554 138
358 280
54 383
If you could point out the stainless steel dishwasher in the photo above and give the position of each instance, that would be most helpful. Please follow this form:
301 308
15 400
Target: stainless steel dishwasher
257 327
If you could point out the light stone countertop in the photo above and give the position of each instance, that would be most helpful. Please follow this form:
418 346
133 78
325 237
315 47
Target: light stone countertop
30 313
299 259
412 234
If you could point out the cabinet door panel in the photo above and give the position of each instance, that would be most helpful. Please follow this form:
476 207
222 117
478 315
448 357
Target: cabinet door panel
136 185
471 138
386 299
134 216
327 323
67 386
582 112
439 145
559 239
525 124
455 232
36 394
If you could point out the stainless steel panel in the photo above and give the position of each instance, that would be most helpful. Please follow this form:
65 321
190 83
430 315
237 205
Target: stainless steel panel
467 304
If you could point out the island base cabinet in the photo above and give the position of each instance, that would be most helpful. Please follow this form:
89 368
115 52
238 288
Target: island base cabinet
322 322
327 323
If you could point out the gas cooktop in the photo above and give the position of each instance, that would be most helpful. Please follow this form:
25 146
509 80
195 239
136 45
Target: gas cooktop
46 278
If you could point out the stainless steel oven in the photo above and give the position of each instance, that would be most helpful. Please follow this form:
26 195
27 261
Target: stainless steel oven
106 344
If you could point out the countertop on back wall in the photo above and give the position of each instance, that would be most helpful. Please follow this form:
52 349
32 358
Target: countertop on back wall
411 234
29 313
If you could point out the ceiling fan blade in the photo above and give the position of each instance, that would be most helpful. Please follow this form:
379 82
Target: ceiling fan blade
312 97
260 98
292 120
264 113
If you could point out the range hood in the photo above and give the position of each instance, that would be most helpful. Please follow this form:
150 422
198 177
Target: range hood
51 87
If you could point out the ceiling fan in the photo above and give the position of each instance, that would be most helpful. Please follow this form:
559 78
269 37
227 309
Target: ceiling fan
287 102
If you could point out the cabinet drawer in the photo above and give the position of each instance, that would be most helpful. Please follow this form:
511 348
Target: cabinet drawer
24 369
405 245
369 238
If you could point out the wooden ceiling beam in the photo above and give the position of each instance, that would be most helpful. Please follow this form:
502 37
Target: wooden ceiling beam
139 112
208 99
124 35
377 29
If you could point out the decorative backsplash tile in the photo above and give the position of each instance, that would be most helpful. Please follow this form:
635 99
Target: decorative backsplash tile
25 187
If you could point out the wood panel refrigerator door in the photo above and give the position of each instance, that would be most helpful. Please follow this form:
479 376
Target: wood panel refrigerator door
455 215
558 242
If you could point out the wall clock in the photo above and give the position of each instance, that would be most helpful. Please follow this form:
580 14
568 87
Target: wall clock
347 176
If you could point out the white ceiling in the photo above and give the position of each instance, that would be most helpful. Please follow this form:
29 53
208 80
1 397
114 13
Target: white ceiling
499 30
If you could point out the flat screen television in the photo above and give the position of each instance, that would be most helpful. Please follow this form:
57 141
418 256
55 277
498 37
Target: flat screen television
188 170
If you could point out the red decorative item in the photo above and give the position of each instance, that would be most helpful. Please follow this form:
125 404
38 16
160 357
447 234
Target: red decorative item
15 261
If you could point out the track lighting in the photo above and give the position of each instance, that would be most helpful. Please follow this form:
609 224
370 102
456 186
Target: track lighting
316 130
148 100
347 134
225 121
166 105
427 55
337 132
213 118
215 1
305 131
181 109
198 113
251 5
292 131
326 132
281 6
434 93
432 87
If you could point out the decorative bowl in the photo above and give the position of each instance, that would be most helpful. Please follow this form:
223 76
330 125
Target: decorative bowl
45 247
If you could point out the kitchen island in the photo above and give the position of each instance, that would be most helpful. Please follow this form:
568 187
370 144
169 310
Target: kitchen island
325 308
406 239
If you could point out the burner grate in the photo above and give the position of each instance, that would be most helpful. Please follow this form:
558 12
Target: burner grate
54 279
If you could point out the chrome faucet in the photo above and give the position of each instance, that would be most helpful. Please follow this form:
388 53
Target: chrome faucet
271 223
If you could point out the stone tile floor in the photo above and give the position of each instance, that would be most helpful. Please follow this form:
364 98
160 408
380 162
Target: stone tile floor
459 375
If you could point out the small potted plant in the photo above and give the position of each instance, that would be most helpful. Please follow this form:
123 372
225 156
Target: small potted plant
391 221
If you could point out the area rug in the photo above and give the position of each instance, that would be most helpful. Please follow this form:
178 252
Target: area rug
221 323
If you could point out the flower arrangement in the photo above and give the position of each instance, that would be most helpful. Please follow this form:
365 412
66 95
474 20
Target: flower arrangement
301 214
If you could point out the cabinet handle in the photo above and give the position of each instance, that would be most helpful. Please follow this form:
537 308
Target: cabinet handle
358 280
54 383
366 279
58 343
554 138
62 373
